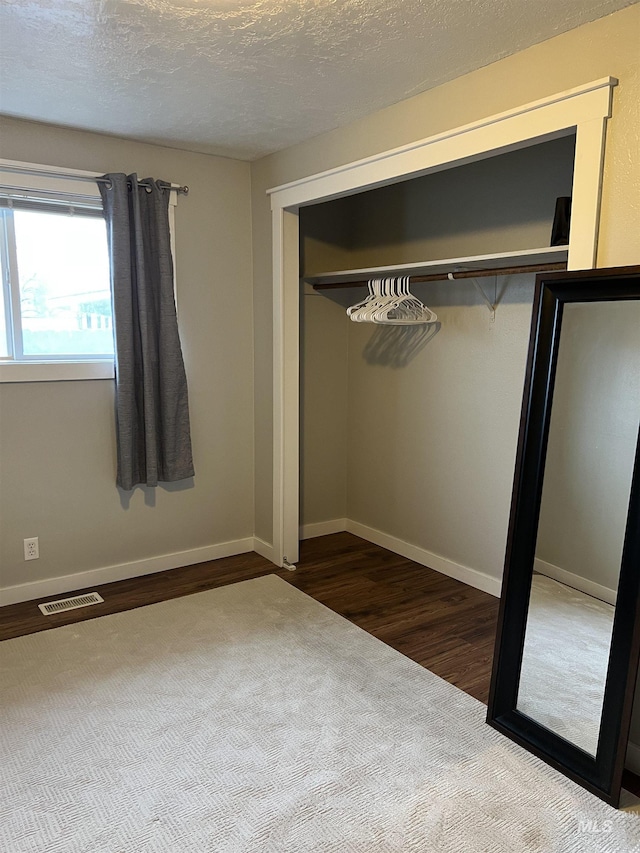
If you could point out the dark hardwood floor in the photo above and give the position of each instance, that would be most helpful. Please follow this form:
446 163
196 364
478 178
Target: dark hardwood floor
443 624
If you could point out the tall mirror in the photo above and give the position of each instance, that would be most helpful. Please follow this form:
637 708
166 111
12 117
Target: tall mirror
568 636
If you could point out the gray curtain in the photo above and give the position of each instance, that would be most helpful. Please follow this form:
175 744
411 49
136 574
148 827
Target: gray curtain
152 410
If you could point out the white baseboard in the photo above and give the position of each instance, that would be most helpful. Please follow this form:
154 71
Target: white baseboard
323 528
596 590
107 574
632 761
472 577
137 568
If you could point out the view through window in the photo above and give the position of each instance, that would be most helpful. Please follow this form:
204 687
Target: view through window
57 296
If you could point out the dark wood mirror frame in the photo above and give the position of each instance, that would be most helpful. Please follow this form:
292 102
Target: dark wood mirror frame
602 774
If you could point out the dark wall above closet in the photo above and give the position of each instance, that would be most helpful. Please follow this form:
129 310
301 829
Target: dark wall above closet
502 203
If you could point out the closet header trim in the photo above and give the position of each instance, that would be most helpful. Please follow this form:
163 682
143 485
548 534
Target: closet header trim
602 83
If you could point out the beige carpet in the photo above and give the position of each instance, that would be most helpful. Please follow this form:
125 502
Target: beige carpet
251 719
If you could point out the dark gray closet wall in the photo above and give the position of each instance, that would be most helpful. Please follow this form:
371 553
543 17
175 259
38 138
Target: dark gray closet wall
500 204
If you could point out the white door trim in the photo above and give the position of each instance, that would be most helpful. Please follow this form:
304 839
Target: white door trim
583 109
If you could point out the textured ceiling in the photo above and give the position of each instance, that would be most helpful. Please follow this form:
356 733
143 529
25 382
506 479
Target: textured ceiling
246 77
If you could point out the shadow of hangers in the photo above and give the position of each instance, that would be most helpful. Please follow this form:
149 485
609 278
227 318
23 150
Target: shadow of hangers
396 346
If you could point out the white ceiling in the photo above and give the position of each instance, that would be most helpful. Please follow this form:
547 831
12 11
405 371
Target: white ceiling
243 78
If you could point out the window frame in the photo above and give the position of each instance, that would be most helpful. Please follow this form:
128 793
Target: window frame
51 369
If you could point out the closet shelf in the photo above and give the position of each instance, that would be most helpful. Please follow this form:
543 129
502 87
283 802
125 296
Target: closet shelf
477 266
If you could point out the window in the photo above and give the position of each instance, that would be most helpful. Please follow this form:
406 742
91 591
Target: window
55 294
57 297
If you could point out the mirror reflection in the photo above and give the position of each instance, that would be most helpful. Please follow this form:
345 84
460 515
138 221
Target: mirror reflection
587 480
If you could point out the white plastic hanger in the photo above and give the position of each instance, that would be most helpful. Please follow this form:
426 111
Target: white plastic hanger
406 309
371 284
391 303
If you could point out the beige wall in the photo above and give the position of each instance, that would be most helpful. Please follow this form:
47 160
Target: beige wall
433 424
57 462
323 409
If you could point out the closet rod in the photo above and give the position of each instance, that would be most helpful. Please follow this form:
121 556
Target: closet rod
442 276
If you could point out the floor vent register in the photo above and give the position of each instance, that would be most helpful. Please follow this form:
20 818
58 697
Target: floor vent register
70 603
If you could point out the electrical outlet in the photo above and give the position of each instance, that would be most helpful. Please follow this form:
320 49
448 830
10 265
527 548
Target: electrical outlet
31 548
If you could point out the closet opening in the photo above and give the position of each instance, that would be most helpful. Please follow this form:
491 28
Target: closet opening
476 195
388 463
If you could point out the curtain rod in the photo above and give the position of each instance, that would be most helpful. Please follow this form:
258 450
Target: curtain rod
43 173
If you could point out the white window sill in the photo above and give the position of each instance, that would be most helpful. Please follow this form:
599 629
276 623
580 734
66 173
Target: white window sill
55 371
